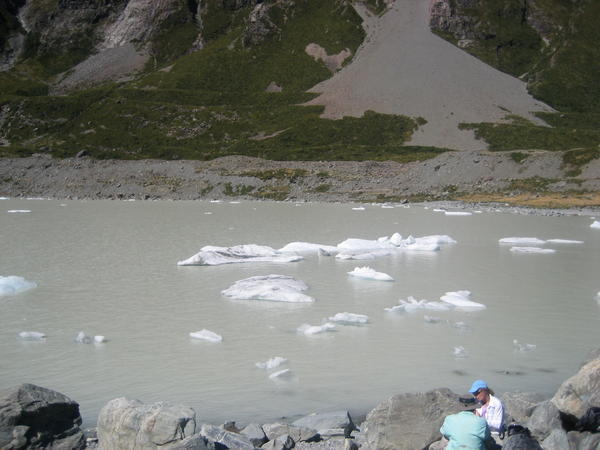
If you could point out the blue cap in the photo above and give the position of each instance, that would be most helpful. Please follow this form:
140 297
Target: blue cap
478 384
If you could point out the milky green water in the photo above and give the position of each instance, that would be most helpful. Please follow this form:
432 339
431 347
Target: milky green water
109 268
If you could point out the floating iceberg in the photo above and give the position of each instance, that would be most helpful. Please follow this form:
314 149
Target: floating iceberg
595 224
460 352
274 288
13 211
206 335
364 245
4 198
360 208
387 206
522 241
461 300
439 210
271 363
366 256
305 247
523 347
345 318
411 304
99 339
83 338
461 326
212 256
531 250
458 213
563 241
432 319
285 373
370 274
315 329
12 285
31 335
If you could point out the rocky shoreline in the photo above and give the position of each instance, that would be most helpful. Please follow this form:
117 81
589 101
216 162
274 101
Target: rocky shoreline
477 176
35 417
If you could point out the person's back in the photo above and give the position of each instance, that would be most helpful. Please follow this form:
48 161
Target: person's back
465 430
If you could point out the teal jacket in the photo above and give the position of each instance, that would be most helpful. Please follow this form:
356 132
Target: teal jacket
465 431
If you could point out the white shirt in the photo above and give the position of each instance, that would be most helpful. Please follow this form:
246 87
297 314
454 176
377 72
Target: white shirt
493 413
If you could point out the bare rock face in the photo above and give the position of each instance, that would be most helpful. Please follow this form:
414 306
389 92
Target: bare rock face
445 16
34 417
125 423
581 391
408 421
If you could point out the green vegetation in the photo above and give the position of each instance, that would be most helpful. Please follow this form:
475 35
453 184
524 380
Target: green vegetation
322 188
518 157
534 184
276 174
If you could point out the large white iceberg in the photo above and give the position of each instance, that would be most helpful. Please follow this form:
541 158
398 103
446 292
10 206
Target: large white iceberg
532 250
305 247
369 274
461 300
275 288
522 241
206 335
212 256
271 363
346 318
411 304
364 245
316 329
595 224
31 335
564 241
13 284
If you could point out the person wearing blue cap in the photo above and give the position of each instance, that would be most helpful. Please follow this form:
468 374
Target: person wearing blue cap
491 407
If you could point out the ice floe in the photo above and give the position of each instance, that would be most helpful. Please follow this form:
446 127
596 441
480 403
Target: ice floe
360 208
346 318
523 347
563 241
83 338
432 319
306 247
274 288
12 211
271 363
206 335
522 241
4 198
281 374
458 213
13 284
595 224
439 210
460 352
411 304
31 335
99 339
362 256
463 326
532 250
461 300
309 330
369 274
212 256
387 206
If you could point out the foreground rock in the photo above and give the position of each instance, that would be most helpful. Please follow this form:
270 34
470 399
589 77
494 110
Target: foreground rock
35 417
580 392
125 423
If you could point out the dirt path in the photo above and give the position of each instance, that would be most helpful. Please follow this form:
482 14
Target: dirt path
403 68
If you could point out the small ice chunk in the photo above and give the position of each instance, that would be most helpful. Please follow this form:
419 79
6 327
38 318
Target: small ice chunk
208 213
396 239
387 206
564 241
316 329
439 210
83 338
360 208
285 373
16 211
305 247
532 250
523 347
212 256
13 284
234 202
521 241
274 288
361 256
369 274
31 335
216 201
595 224
346 318
458 213
271 363
460 326
99 339
431 319
206 335
461 300
460 352
411 304
4 198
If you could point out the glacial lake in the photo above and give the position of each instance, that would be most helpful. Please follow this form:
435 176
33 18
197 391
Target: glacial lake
110 268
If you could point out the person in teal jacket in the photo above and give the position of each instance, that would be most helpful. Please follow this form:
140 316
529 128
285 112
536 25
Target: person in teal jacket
466 431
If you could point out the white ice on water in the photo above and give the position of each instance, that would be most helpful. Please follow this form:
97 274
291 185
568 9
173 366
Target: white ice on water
432 319
460 352
309 330
212 256
458 213
346 318
206 335
595 224
532 250
12 285
411 304
460 326
387 206
524 347
4 198
563 241
271 363
368 273
83 338
13 211
285 373
366 256
306 247
31 335
522 241
99 339
274 288
360 208
461 300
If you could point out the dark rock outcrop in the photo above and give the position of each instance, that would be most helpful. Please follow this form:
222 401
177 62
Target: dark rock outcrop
35 417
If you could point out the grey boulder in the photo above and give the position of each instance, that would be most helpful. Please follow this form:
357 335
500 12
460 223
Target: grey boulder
557 440
229 439
125 423
518 406
330 444
581 391
283 442
35 417
544 418
521 442
327 421
255 434
583 441
298 434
